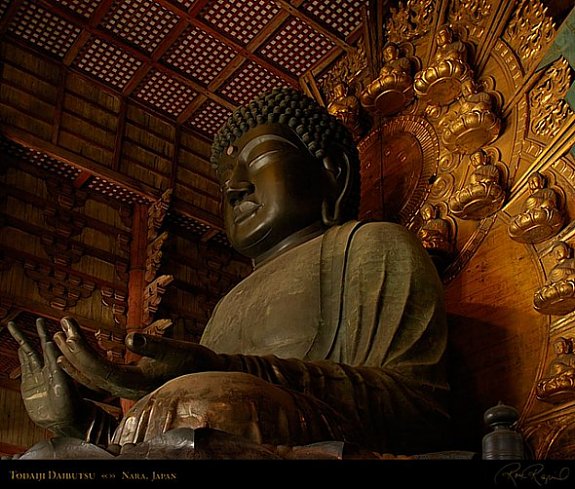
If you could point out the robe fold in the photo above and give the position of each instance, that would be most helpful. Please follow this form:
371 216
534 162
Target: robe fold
342 337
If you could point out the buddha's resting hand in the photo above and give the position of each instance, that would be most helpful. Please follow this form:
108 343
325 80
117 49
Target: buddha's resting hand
49 395
162 359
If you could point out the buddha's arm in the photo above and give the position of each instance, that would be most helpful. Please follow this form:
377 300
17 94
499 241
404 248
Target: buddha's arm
339 384
386 405
50 397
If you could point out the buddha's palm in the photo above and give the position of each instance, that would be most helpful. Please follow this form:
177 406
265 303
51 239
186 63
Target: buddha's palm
49 395
162 359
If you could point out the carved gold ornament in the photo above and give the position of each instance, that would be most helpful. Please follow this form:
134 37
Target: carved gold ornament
483 195
345 106
541 217
392 90
440 83
559 384
473 124
435 233
557 296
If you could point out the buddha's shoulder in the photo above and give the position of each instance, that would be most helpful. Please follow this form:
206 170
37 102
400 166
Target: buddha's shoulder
383 235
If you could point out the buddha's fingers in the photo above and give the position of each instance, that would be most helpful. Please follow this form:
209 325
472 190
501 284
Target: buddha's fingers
49 350
154 346
28 357
73 372
89 368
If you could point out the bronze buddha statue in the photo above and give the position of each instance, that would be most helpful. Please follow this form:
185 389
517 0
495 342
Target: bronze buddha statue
339 333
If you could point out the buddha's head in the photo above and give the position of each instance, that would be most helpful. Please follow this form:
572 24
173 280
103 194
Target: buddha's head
536 181
479 159
444 35
340 90
285 165
562 251
390 52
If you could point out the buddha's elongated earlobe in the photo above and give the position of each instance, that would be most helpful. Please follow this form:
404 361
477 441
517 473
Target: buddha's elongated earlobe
338 183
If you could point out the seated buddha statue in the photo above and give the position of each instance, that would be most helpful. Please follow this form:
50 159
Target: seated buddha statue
435 232
338 336
345 106
557 295
559 383
472 124
483 195
540 217
392 90
441 81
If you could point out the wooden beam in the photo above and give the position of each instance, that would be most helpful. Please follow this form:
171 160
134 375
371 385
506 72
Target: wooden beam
41 309
59 105
194 20
119 139
135 53
21 256
82 178
176 157
209 235
34 142
191 108
41 203
272 68
200 215
96 17
197 7
136 281
38 231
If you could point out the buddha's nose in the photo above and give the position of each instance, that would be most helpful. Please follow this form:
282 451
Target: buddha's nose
236 191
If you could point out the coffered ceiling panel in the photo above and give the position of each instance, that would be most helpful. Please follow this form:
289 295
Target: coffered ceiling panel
193 61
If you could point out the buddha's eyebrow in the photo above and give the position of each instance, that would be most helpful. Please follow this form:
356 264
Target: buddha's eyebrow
246 150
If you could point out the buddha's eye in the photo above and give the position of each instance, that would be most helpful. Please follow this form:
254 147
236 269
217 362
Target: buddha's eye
262 159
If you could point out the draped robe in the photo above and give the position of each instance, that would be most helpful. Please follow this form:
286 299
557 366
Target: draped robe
342 337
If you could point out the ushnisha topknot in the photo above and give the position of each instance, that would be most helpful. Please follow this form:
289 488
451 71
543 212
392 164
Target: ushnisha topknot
315 126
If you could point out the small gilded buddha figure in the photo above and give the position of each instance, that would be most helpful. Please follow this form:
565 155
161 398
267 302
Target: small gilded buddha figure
473 124
541 216
441 82
346 107
483 195
435 235
559 383
392 90
557 296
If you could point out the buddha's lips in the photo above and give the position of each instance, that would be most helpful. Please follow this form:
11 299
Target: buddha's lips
244 209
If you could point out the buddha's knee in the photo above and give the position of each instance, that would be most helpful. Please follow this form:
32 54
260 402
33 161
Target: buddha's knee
235 402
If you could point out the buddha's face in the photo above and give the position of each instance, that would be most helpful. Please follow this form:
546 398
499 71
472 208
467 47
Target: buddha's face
536 182
340 90
272 190
444 36
390 53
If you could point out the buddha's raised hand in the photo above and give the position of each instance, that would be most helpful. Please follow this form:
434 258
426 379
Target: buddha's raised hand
49 395
162 359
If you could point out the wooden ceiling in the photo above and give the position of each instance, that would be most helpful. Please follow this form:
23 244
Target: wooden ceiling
192 61
123 97
131 92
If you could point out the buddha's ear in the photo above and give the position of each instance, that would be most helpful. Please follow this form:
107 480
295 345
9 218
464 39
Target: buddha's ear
336 186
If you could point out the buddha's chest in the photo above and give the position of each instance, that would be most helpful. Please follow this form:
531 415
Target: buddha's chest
276 310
